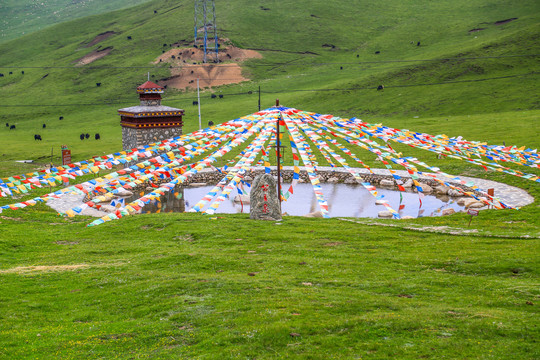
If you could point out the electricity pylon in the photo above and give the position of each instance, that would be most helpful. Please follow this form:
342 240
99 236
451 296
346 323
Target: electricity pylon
205 21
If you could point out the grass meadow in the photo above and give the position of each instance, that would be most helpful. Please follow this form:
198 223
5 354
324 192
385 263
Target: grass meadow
189 286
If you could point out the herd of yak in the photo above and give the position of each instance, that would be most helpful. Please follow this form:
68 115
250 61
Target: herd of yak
38 136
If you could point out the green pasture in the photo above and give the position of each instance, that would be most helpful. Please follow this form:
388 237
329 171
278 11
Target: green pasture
480 75
190 286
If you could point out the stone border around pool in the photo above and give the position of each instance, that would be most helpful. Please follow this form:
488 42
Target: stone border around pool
510 195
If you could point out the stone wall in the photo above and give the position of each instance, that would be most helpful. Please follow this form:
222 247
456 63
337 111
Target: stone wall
327 175
338 175
134 137
212 177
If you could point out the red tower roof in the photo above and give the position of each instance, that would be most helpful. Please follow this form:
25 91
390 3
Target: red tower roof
150 87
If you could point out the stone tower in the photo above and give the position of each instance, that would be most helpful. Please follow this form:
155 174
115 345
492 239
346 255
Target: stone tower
150 121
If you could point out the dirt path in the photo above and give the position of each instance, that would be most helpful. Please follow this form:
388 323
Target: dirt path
93 56
99 38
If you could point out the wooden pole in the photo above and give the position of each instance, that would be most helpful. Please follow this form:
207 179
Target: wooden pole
51 166
198 96
278 152
259 98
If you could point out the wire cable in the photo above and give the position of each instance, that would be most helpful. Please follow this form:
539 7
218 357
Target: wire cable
269 64
170 99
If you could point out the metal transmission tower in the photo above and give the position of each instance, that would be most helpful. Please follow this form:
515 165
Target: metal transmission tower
205 21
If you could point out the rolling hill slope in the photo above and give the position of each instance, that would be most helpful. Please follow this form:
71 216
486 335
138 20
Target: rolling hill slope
20 17
474 58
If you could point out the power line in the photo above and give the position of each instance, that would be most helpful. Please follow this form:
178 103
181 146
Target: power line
169 99
405 85
270 64
128 101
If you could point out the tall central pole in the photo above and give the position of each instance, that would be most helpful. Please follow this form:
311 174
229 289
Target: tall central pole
278 152
199 104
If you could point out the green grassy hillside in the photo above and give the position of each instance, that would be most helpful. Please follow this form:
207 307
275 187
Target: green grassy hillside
20 17
167 286
318 56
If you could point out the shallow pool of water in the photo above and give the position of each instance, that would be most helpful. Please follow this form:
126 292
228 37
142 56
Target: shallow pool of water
343 200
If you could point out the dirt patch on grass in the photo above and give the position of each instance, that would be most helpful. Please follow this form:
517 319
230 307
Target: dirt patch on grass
50 268
93 56
62 242
180 56
55 268
337 243
446 230
99 38
10 218
506 21
188 66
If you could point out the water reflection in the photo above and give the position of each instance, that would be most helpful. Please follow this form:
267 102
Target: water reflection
343 200
170 202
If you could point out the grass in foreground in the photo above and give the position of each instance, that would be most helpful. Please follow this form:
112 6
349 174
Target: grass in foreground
185 285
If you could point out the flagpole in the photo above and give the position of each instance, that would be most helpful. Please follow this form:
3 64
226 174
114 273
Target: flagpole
278 149
199 102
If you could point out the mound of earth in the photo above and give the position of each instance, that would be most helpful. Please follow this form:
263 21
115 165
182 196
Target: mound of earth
187 67
99 38
209 75
93 56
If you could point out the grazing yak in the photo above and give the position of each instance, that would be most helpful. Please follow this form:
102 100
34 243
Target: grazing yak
97 136
81 136
12 127
37 137
380 87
